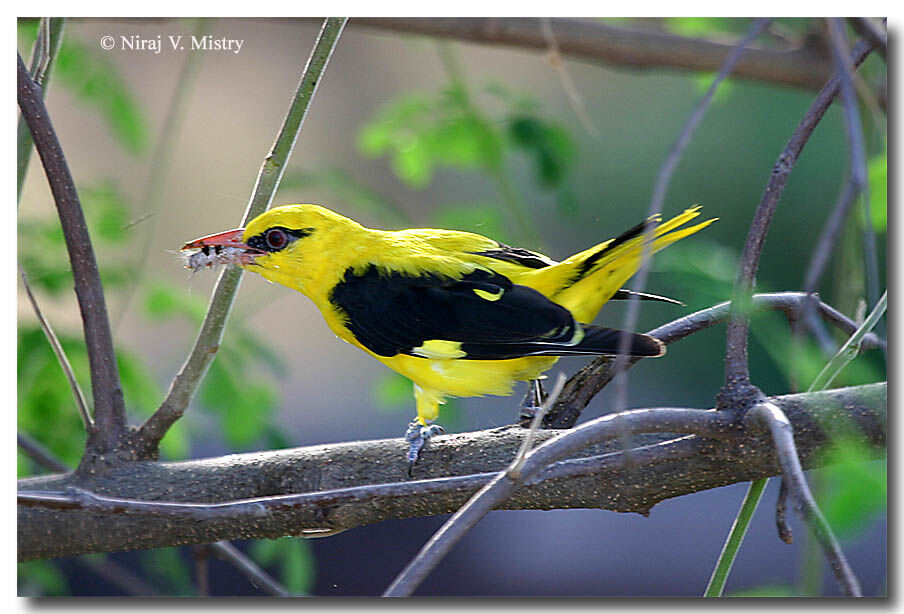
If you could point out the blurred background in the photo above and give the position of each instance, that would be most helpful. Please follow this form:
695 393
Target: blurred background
413 131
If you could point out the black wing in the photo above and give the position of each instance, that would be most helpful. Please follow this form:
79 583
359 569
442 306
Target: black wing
489 316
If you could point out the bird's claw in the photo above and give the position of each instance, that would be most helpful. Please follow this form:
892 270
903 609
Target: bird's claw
417 435
532 403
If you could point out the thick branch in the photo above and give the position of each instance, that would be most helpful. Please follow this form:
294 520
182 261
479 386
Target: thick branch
109 408
373 476
616 46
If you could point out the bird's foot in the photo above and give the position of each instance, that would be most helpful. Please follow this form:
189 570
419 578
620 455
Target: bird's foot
532 403
417 435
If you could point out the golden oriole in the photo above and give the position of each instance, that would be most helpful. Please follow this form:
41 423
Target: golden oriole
457 313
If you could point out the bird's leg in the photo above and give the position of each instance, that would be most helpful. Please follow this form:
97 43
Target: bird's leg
532 402
417 435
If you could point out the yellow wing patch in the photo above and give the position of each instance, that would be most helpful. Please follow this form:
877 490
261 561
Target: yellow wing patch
489 296
439 349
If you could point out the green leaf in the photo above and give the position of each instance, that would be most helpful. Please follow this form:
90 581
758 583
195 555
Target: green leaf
294 558
420 133
166 566
550 146
392 391
244 406
41 579
94 79
877 174
162 302
856 488
704 26
703 81
767 590
106 208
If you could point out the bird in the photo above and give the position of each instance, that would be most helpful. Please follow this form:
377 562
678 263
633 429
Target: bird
457 313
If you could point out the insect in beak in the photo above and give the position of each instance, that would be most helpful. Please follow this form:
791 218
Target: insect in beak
221 248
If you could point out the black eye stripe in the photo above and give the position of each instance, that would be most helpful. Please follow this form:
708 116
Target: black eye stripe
265 241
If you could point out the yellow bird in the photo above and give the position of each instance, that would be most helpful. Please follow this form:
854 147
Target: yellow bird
457 313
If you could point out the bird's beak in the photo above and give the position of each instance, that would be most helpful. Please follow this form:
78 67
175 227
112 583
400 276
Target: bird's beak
230 238
213 250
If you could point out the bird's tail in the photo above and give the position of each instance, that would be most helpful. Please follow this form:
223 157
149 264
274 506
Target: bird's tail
585 281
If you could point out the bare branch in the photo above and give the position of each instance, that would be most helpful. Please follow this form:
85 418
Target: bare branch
54 342
354 484
189 377
869 29
617 46
738 391
781 522
109 408
40 454
498 490
43 55
226 551
586 383
793 476
658 200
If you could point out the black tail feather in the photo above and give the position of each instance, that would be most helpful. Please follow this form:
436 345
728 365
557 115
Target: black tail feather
597 341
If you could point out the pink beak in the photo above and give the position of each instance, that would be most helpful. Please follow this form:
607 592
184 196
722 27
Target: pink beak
230 238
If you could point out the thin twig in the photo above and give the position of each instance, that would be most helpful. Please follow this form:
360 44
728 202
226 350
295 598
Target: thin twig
40 454
738 391
781 521
259 578
828 238
658 199
109 407
793 475
670 420
554 57
43 56
869 29
160 162
60 353
851 347
586 383
189 377
854 129
201 556
514 470
735 538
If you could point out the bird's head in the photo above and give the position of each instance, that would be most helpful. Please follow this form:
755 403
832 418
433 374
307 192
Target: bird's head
286 245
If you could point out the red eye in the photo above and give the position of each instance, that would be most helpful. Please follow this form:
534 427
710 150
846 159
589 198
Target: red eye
277 238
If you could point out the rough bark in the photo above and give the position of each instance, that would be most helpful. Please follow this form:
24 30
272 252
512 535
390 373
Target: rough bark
667 467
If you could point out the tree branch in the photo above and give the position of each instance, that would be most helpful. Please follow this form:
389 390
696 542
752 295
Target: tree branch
657 200
616 46
586 383
109 408
43 55
738 391
206 345
793 478
353 484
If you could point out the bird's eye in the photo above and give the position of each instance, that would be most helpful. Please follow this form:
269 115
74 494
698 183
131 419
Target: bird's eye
276 238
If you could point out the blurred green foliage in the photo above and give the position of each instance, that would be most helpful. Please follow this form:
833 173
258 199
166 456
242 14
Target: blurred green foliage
877 174
420 133
93 79
854 487
294 559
